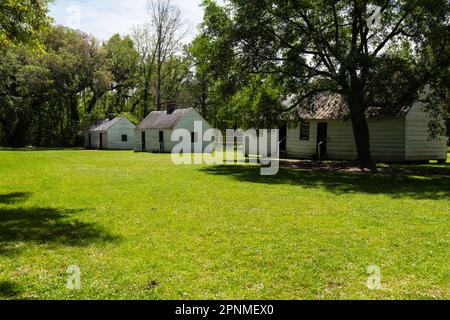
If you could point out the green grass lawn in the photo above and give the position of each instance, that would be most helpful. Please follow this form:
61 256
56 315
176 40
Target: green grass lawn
141 228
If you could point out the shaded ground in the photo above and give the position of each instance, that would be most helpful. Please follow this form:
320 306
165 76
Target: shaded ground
9 290
43 226
353 167
35 149
342 182
14 197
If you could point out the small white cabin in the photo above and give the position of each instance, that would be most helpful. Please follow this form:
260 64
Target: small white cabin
395 135
154 133
110 134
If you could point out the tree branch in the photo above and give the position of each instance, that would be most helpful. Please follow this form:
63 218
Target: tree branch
395 31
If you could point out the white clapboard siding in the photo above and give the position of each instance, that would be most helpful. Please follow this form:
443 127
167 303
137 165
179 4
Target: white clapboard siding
419 145
340 141
112 136
301 149
251 143
95 139
386 139
188 123
137 144
151 140
152 135
122 127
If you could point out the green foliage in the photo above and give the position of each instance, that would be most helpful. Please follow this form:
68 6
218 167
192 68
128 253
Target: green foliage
48 99
79 78
129 116
247 57
23 22
315 46
122 61
177 78
14 112
231 96
56 81
49 94
257 105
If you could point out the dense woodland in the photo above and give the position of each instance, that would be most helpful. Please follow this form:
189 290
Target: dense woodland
247 57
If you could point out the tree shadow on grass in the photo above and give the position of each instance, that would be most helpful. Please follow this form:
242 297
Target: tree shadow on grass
46 226
9 290
422 170
395 186
14 197
35 149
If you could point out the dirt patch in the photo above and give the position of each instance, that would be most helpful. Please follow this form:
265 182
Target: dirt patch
356 168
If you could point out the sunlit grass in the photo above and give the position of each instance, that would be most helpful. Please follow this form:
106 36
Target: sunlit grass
140 227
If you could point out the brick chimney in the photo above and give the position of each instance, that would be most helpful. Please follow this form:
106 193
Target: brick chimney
171 106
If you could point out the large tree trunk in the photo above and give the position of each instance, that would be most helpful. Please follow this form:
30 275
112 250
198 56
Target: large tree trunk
204 97
158 89
74 114
16 135
37 105
146 99
360 128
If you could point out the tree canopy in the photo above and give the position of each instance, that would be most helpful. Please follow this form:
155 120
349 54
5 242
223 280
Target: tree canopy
247 58
50 95
312 46
23 21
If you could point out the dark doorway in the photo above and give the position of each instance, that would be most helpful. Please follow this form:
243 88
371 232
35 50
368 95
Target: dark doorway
101 141
161 141
89 141
143 141
283 138
322 135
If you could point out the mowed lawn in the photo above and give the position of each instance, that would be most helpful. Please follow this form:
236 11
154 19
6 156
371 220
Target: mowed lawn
140 227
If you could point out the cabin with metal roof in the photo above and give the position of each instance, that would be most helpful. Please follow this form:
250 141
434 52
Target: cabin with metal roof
154 133
322 128
110 134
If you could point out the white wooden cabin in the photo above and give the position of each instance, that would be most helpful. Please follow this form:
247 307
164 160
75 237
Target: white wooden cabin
395 136
154 133
110 134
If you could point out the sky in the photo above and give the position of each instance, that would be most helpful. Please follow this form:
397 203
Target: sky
104 18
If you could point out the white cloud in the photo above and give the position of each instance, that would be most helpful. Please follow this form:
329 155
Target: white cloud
103 18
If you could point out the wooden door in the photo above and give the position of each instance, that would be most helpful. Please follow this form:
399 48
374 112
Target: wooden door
143 141
322 136
101 141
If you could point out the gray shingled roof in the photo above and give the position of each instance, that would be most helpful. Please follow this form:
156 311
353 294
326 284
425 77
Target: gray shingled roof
332 106
104 125
163 120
